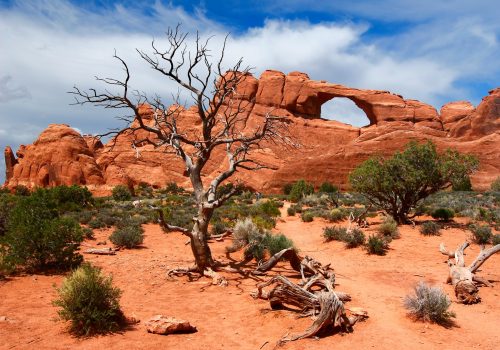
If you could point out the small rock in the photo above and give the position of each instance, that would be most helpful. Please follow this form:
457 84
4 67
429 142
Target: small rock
164 325
3 318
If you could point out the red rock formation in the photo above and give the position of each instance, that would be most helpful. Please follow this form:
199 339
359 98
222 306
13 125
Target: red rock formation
10 161
59 156
329 149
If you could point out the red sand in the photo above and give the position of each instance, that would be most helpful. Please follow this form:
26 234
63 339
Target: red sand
229 318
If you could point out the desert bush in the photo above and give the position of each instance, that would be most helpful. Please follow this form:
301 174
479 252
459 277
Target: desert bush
354 238
313 200
307 216
128 236
461 184
87 233
89 301
327 187
481 234
21 190
337 214
291 211
287 188
7 203
96 223
144 190
275 243
172 187
85 216
38 239
69 198
297 208
399 179
389 228
444 214
121 193
377 245
218 228
495 239
264 222
429 304
267 207
334 233
495 185
430 228
300 189
244 232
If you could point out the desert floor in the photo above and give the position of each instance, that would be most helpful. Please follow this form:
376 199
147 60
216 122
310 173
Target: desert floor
229 318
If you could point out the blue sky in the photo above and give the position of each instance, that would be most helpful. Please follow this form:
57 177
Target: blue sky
434 51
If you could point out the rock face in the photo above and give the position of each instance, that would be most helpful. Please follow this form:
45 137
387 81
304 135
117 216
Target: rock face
164 325
329 149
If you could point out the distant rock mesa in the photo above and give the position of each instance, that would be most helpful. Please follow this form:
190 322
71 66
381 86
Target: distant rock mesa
329 149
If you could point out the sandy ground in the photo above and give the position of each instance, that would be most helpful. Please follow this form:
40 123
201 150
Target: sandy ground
229 318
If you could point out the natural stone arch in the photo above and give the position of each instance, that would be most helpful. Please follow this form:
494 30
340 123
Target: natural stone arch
346 110
365 107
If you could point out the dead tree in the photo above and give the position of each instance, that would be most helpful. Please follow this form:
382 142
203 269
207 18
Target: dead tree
222 118
464 278
313 296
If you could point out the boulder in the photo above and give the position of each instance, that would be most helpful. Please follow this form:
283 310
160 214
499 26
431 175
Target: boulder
164 325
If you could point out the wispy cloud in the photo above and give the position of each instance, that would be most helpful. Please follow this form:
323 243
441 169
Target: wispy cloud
9 91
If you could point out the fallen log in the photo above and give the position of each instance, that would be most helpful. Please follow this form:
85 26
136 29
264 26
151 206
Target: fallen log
101 251
463 278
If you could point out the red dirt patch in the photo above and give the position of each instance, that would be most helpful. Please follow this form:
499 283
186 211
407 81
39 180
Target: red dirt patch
229 318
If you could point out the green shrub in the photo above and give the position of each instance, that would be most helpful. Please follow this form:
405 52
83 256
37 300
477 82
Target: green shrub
395 184
481 234
389 228
430 228
218 228
355 238
276 243
337 214
69 198
38 239
495 185
96 223
7 203
291 211
377 245
121 193
307 216
87 233
88 299
495 239
444 214
300 189
297 208
21 190
264 222
287 189
461 184
128 237
327 187
334 233
144 190
429 304
173 188
85 216
269 208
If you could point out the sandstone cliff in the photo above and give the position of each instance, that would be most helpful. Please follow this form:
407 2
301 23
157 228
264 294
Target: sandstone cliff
329 149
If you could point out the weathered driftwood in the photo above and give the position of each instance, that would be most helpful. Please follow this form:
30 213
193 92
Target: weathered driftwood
314 295
101 251
462 277
327 306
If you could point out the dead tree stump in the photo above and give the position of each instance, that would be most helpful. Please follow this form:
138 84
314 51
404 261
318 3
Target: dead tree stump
463 278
